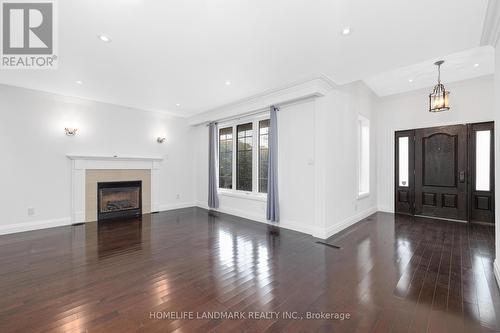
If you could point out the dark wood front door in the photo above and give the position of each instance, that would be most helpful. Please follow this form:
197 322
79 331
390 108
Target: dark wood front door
441 172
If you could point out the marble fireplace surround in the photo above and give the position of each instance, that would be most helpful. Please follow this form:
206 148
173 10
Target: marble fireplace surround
80 164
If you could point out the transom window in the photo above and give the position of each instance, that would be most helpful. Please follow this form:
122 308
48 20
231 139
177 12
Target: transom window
243 158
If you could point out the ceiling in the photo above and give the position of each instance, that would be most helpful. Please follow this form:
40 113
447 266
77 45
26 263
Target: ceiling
463 65
170 52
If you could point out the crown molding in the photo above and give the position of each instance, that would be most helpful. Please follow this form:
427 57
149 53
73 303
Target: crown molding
87 101
114 158
310 88
491 27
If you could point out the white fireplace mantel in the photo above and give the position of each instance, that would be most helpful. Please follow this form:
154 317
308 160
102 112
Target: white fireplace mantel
80 163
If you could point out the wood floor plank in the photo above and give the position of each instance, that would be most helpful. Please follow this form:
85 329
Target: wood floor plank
392 274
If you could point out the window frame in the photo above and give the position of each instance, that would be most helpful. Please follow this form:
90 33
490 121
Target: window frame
476 159
406 159
234 192
259 149
219 155
237 153
361 123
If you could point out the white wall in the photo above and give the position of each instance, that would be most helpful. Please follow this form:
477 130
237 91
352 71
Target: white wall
470 100
317 164
497 158
342 202
34 169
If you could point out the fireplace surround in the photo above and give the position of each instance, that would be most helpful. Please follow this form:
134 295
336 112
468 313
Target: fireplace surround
84 166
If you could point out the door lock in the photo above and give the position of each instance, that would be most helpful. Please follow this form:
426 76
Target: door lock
461 176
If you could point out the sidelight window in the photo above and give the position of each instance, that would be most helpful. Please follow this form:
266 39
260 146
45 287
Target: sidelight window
403 156
483 141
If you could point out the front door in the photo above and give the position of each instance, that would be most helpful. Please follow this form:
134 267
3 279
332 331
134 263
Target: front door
441 172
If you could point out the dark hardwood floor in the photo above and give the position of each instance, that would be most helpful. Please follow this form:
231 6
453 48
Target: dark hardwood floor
392 274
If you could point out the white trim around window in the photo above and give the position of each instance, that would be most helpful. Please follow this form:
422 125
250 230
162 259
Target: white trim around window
363 157
254 194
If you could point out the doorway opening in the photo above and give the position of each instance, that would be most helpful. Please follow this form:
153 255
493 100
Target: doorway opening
446 172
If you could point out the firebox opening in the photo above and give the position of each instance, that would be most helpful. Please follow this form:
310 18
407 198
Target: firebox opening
119 199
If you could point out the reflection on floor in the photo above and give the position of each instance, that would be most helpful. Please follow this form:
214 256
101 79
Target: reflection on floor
393 274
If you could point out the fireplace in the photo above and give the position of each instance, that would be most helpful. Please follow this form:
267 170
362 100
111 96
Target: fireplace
119 199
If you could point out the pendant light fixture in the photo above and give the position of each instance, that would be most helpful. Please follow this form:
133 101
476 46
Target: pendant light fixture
438 99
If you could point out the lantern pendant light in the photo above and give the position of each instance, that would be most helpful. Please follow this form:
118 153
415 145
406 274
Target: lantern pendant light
438 99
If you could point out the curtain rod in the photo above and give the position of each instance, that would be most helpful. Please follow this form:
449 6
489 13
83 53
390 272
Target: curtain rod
240 116
259 111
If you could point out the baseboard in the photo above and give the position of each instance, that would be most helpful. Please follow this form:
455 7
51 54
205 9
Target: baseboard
346 223
496 270
45 224
36 225
290 225
385 209
180 205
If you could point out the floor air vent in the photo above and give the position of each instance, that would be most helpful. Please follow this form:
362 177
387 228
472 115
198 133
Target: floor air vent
330 245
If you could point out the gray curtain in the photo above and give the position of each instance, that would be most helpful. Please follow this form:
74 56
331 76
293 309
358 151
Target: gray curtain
273 206
213 198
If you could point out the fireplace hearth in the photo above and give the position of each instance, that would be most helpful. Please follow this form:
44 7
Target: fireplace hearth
119 199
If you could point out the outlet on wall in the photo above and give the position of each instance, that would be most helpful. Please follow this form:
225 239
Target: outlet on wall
178 196
31 211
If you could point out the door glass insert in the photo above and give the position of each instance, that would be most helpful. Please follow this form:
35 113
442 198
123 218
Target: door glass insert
403 161
483 141
439 154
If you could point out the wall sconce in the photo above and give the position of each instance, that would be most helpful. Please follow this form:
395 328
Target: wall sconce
160 140
71 131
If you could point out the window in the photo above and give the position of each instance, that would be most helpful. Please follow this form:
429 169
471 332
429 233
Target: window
244 156
226 158
403 157
483 140
364 156
244 151
263 154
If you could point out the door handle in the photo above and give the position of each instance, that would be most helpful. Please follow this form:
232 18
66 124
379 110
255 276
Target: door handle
461 176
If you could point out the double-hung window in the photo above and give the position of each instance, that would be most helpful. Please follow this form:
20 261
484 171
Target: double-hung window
226 158
263 154
244 155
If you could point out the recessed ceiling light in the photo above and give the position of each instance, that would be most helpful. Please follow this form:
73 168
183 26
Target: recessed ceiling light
476 65
79 82
346 31
228 83
177 105
105 38
410 80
